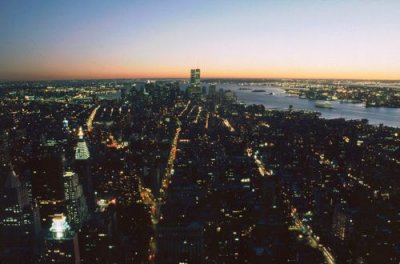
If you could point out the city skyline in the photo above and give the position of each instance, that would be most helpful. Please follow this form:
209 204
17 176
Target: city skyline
154 39
234 171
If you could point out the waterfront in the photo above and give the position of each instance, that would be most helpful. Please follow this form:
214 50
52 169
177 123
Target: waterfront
280 100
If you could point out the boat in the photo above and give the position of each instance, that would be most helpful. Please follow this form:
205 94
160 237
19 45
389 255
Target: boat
244 88
258 91
350 101
323 104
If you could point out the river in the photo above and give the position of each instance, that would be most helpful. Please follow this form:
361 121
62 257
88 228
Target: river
280 100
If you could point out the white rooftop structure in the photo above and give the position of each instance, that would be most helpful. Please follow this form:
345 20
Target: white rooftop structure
59 225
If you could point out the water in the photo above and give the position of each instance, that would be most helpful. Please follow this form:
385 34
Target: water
280 100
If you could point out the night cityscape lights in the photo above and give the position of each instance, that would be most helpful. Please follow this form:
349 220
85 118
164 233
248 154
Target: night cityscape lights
200 132
187 171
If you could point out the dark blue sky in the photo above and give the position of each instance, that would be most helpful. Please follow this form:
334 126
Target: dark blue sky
90 39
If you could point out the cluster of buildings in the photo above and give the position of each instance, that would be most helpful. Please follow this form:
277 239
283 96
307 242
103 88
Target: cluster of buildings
338 179
121 171
376 95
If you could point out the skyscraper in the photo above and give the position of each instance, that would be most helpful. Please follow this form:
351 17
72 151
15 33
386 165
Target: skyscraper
75 201
16 219
61 243
194 88
47 183
195 77
13 200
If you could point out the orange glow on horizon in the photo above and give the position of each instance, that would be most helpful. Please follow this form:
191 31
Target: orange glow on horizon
180 73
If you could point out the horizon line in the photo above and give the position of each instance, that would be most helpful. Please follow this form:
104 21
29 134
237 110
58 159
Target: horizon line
188 77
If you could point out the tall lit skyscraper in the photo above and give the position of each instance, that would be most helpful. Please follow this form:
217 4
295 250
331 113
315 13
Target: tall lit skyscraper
75 201
194 88
195 77
61 243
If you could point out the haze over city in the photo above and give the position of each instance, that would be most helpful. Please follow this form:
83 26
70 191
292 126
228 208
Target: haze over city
230 39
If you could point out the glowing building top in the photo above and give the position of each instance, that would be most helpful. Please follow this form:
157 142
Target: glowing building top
82 150
80 133
59 226
65 124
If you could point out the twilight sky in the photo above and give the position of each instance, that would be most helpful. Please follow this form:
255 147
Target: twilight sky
61 39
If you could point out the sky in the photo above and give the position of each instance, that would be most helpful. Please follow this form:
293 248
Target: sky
74 39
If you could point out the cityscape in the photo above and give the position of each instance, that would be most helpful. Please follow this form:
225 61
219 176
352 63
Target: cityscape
190 164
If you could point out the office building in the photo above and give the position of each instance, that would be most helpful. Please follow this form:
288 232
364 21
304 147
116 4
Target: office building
47 184
195 86
61 243
195 77
75 201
